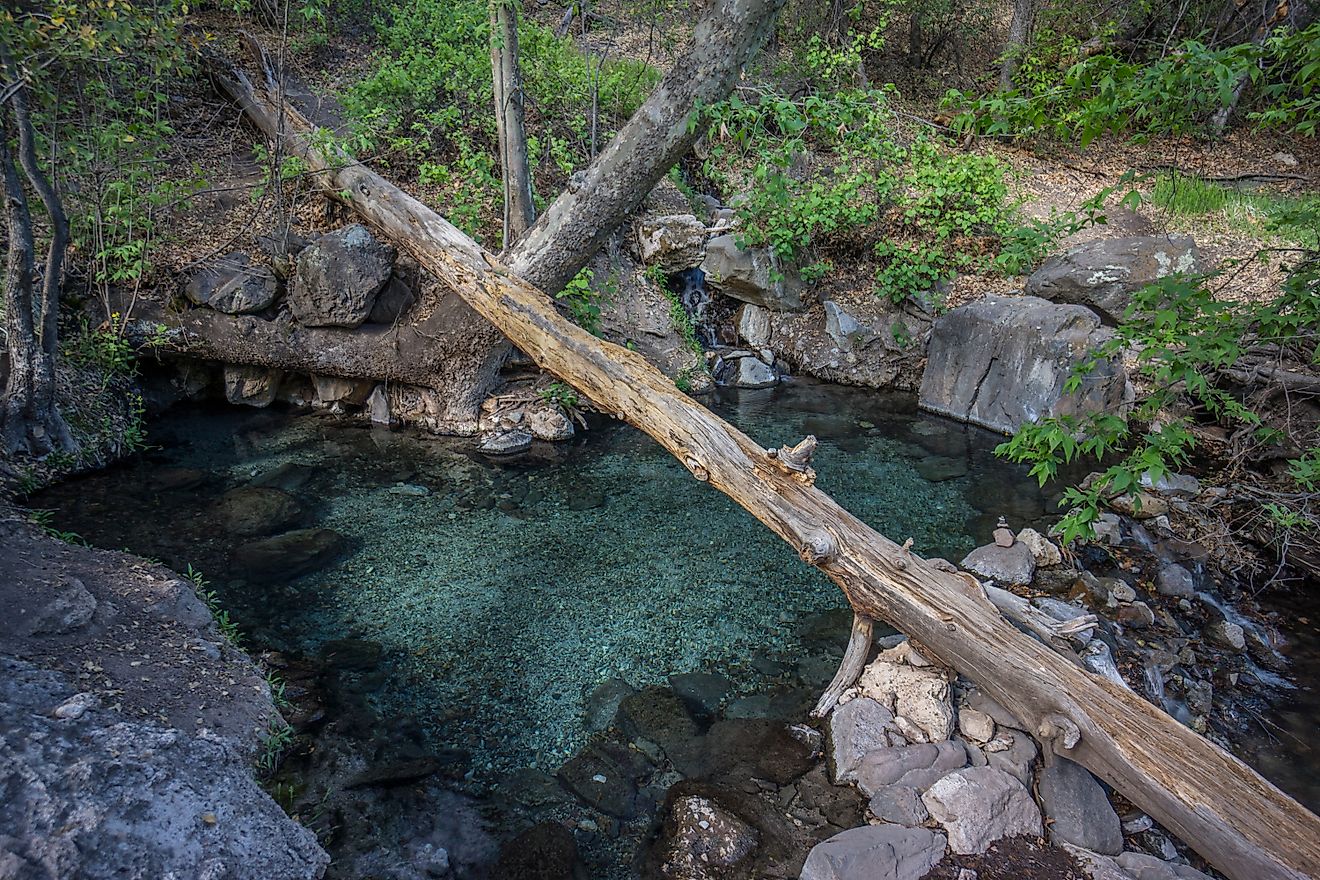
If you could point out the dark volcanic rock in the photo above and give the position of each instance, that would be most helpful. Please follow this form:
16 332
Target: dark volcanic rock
233 284
250 511
542 852
339 277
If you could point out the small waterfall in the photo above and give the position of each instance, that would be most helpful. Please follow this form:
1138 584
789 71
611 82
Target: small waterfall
690 286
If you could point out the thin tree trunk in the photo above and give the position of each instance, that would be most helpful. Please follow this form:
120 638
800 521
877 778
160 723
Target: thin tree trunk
1279 17
1019 31
46 307
519 209
30 389
1241 823
16 417
455 351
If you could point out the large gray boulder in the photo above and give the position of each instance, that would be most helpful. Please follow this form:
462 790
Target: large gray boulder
916 766
980 805
1001 362
338 278
854 339
1003 565
857 728
1103 274
1079 808
752 275
233 284
875 852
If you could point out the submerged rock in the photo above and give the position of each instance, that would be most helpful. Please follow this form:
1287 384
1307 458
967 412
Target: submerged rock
546 851
288 556
257 510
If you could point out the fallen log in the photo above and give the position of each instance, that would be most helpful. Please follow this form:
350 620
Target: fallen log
1243 825
452 350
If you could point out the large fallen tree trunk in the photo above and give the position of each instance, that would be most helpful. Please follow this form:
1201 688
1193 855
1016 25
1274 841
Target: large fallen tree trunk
453 350
1237 820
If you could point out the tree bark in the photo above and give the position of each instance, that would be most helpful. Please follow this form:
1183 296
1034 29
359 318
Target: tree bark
519 209
1019 31
43 428
17 415
1237 820
463 360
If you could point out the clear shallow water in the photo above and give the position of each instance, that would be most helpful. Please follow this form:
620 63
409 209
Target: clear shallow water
512 589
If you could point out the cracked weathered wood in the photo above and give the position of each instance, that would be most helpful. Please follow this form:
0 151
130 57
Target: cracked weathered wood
1243 825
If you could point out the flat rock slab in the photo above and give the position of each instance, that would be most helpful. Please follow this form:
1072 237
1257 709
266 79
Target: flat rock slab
1003 565
916 766
233 284
875 852
980 805
1001 362
858 727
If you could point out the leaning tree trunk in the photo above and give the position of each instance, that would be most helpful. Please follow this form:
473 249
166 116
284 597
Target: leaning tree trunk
17 415
519 209
1019 31
1241 823
32 420
455 351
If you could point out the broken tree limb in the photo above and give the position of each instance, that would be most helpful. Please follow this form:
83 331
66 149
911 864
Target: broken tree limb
466 352
854 659
1243 825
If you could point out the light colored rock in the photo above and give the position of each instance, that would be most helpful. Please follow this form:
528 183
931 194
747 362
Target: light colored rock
752 275
334 390
857 727
875 852
1096 866
674 242
1142 505
550 423
976 725
1287 160
251 386
1013 752
747 372
1146 867
917 766
76 706
1225 635
1078 807
1043 550
754 325
846 331
918 694
1108 529
1104 274
1003 565
1002 361
980 805
378 406
1178 485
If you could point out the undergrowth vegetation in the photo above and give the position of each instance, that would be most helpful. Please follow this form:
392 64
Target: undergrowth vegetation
426 105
